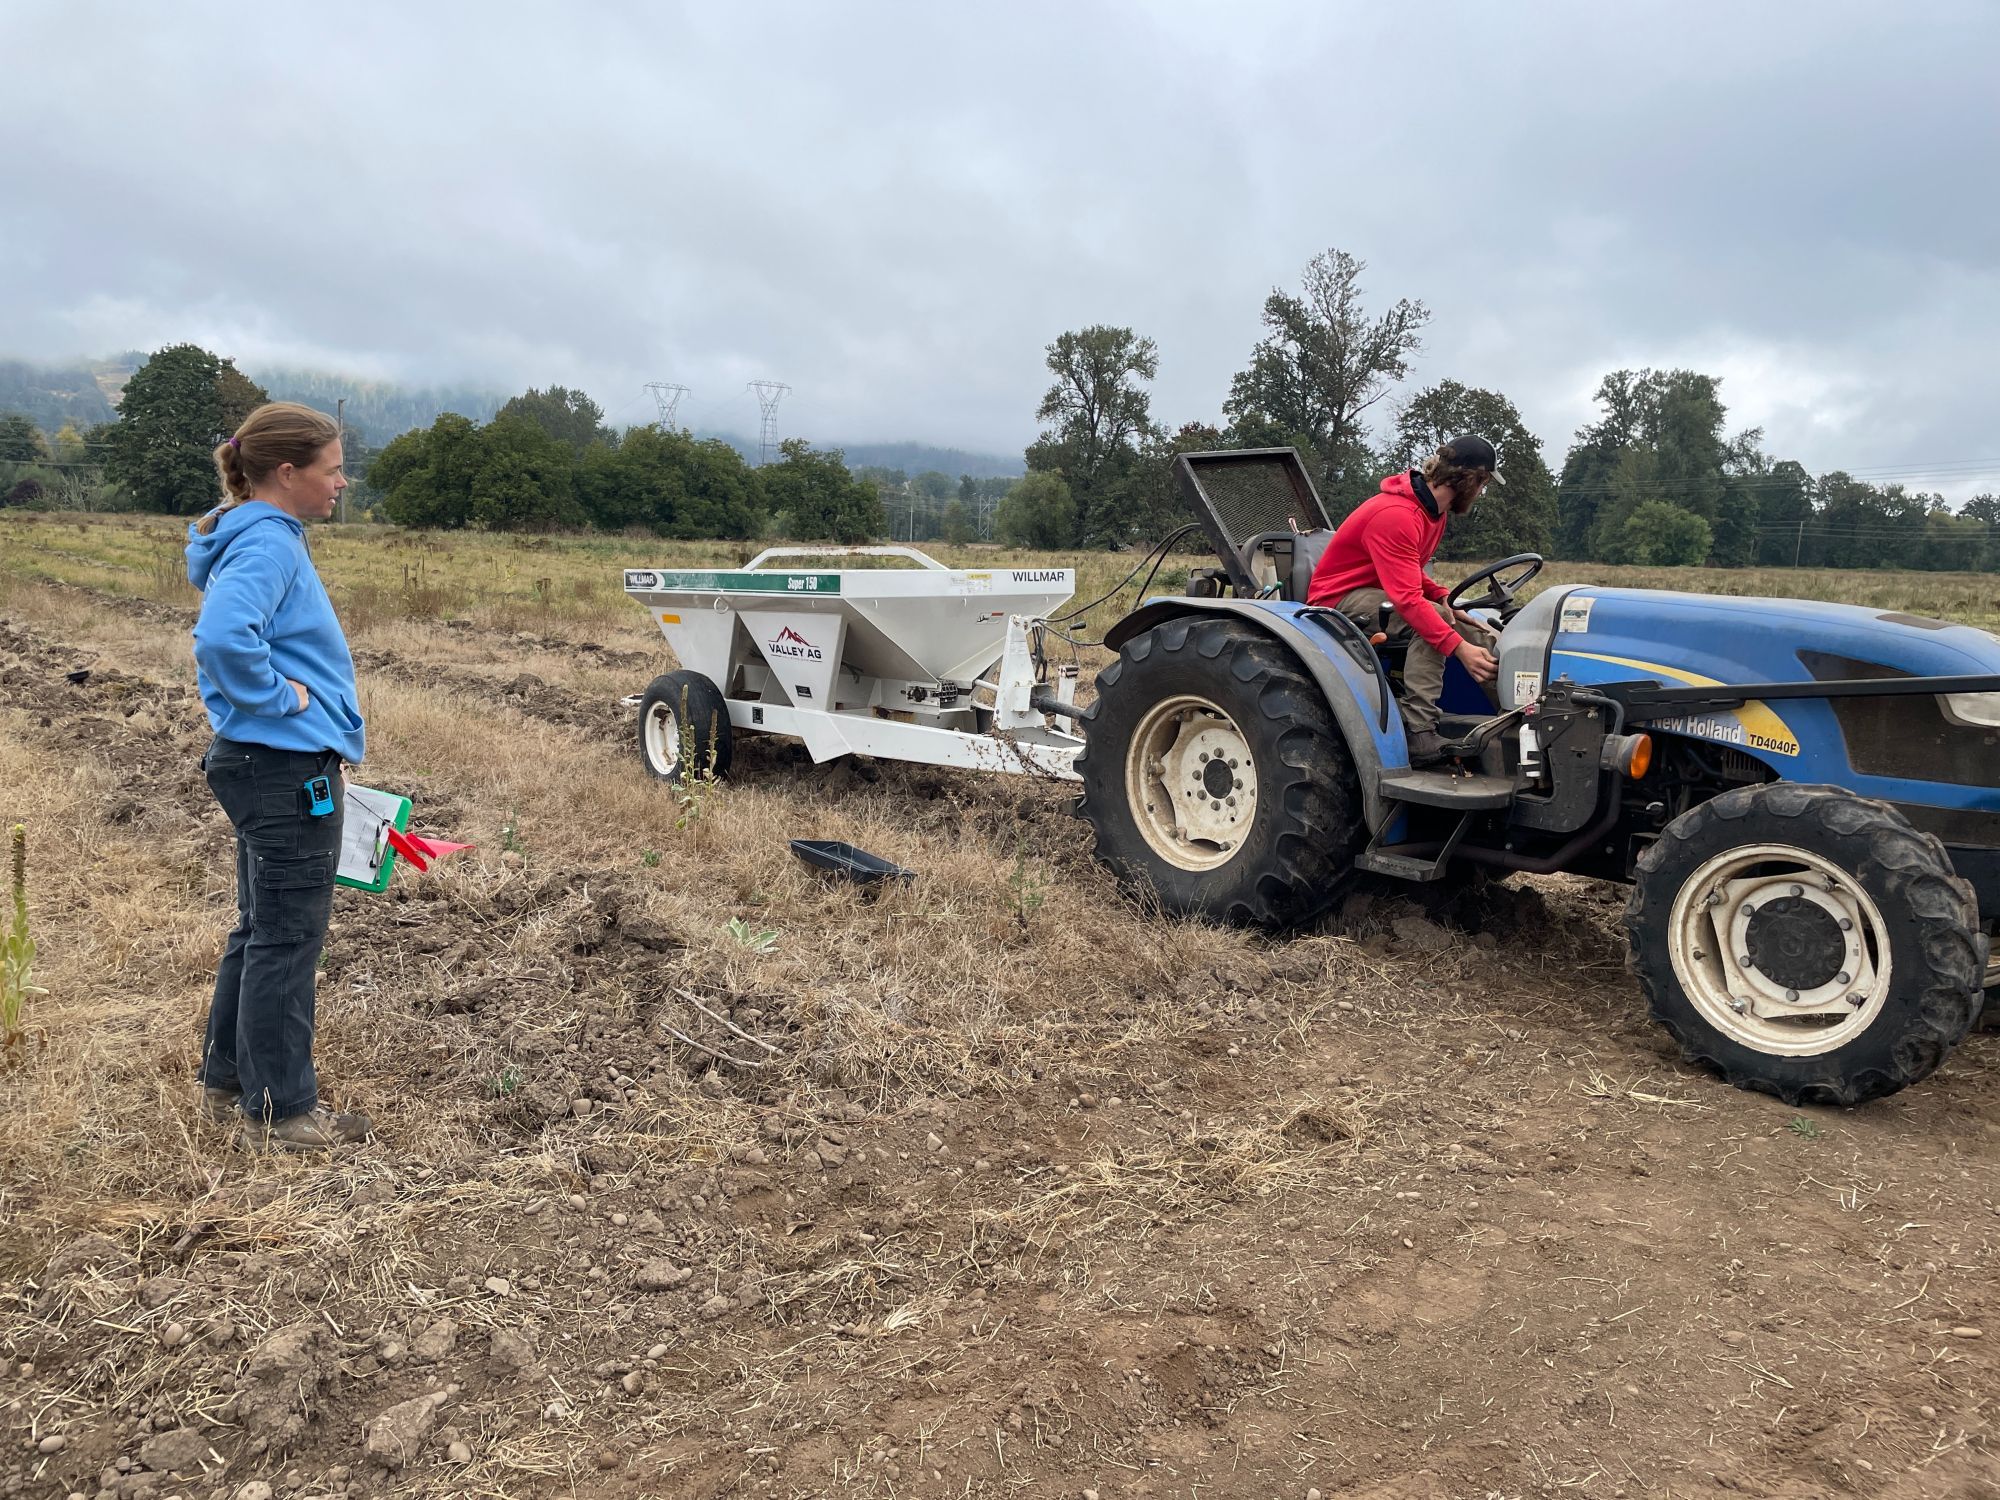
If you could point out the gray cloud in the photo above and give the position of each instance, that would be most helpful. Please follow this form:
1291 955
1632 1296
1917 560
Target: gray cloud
894 207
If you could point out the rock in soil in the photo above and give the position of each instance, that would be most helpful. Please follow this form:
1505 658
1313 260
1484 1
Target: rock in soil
182 1451
435 1342
280 1381
396 1436
660 1276
509 1353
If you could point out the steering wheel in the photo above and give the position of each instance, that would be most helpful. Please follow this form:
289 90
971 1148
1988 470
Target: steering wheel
1500 590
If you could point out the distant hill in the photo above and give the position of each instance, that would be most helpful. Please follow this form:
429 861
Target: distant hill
911 458
87 391
917 458
379 410
50 395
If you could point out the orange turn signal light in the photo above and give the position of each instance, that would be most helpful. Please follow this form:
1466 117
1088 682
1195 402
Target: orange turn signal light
1627 754
1638 756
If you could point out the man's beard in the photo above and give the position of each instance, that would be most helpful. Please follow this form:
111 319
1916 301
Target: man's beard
1462 504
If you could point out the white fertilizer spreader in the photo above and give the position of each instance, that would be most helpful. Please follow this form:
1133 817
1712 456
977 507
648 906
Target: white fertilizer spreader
925 663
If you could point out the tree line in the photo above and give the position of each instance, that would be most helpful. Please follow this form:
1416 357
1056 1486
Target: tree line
545 460
1656 479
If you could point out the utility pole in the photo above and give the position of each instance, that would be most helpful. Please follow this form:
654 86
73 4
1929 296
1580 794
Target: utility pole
669 399
340 429
769 393
1799 550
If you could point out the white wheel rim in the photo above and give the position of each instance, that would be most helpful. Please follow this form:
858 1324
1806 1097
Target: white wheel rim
1810 977
663 738
1191 783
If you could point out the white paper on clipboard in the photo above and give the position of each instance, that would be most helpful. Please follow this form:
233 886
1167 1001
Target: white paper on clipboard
364 845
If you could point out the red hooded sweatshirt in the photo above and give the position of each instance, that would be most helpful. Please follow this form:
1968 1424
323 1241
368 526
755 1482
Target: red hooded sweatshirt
1386 545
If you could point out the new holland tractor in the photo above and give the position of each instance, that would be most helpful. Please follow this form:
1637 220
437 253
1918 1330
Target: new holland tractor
1804 798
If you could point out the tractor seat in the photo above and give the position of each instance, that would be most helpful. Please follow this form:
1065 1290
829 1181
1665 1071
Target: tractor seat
1289 555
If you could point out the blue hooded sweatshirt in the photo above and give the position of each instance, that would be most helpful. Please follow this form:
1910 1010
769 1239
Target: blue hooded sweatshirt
265 617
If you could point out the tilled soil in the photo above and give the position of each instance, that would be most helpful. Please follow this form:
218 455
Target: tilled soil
1417 1205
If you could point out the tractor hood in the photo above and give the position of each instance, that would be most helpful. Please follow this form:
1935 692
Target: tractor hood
1719 638
1940 750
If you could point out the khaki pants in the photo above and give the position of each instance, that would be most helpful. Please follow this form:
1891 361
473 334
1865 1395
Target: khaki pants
1423 668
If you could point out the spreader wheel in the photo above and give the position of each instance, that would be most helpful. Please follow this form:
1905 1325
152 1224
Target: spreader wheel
1807 943
683 727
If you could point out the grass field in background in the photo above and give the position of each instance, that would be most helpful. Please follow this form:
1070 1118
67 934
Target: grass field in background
571 584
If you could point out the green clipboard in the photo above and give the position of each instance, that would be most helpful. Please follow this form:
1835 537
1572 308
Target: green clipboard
366 861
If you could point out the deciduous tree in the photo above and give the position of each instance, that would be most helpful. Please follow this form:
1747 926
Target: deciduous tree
1094 418
177 406
1323 361
1038 512
818 498
1516 514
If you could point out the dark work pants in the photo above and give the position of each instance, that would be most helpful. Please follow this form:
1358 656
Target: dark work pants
260 1023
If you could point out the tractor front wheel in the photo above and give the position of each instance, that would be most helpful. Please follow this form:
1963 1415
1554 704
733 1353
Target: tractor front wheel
1215 778
1806 942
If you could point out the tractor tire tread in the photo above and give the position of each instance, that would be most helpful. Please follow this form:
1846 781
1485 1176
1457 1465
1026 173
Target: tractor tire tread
1312 852
1916 875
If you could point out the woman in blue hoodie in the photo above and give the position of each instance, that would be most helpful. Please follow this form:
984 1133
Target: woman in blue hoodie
278 683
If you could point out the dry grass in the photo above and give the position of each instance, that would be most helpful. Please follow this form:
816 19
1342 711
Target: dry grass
1160 1147
569 587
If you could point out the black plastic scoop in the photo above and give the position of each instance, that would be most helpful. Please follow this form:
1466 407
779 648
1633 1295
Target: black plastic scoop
855 864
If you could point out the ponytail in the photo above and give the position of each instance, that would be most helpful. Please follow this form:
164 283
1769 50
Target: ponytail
282 432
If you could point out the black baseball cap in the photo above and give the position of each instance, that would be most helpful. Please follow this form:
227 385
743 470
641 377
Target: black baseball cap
1469 452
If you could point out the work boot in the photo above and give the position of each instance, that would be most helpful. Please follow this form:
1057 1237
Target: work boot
221 1106
1426 747
318 1129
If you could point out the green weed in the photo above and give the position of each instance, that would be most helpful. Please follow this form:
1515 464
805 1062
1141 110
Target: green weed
17 952
1027 887
756 939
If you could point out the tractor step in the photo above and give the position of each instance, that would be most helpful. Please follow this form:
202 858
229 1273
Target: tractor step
1464 791
1399 866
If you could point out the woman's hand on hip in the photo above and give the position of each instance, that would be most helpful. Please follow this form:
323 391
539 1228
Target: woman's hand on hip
300 688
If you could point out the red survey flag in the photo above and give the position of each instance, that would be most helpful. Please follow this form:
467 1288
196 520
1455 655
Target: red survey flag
421 851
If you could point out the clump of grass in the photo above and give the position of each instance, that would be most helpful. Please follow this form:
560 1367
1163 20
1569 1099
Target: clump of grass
1027 887
17 953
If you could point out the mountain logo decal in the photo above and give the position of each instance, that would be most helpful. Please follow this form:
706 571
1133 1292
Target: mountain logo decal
788 642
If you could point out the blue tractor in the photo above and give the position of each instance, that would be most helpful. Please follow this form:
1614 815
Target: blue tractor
1804 798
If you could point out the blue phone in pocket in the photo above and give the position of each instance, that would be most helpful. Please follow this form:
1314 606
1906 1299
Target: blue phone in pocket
319 793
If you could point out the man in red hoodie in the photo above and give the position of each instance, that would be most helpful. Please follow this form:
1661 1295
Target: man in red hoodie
1380 553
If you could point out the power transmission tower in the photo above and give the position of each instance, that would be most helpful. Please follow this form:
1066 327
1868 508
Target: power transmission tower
769 394
669 399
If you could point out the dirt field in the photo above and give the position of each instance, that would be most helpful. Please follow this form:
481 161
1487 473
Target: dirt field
1031 1194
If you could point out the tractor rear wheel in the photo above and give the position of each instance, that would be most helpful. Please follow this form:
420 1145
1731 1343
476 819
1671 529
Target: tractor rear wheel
1215 778
684 727
1806 942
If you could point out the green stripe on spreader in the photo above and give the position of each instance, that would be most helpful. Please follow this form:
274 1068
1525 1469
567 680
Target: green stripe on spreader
755 582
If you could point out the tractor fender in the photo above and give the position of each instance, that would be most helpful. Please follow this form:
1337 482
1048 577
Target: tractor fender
1372 726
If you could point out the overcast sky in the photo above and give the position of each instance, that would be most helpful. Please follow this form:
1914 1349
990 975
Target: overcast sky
895 208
